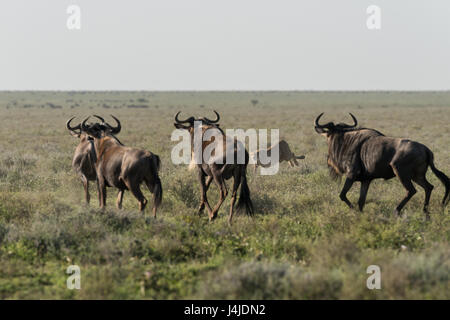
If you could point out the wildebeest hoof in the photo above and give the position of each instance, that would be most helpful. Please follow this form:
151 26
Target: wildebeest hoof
402 216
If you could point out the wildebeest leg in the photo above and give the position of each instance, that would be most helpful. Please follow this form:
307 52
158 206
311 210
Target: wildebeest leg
291 163
203 190
363 193
155 187
87 196
98 193
102 192
209 179
428 187
295 161
348 184
137 193
119 199
236 183
406 182
223 194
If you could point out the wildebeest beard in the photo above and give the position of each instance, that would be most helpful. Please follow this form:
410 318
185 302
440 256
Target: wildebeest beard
344 150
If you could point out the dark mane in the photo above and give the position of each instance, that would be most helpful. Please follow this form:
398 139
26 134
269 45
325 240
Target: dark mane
115 138
346 141
340 128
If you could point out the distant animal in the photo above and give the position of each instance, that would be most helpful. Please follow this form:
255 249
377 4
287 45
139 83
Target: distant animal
285 154
217 168
123 167
363 154
84 158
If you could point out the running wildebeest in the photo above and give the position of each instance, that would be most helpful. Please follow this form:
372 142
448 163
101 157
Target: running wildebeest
285 154
363 155
83 162
217 168
123 167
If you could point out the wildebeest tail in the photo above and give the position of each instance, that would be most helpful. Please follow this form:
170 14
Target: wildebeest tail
244 201
157 193
299 157
155 186
157 162
444 179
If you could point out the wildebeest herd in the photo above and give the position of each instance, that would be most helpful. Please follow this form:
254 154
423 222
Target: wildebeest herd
100 156
359 154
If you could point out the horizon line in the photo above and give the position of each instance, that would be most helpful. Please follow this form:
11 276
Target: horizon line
230 90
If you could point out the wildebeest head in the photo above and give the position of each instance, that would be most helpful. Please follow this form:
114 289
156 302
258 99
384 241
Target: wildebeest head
334 134
330 128
188 124
99 130
76 131
191 124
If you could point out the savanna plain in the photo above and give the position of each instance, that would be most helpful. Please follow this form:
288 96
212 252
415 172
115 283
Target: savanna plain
302 243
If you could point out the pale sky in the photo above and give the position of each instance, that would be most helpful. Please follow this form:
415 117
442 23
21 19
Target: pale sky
225 45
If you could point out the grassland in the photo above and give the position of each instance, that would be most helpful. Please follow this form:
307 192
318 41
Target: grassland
303 243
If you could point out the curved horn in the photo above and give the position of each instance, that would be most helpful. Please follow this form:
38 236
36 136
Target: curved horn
83 124
78 127
354 120
190 119
98 117
213 121
116 129
316 123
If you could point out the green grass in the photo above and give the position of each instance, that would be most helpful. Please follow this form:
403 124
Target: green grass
303 242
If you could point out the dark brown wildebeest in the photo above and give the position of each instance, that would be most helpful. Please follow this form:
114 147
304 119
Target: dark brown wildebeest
83 162
363 155
123 167
217 168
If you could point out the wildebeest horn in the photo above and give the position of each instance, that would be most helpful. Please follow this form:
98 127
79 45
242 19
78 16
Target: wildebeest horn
316 123
354 120
213 121
116 129
83 124
78 127
190 119
98 117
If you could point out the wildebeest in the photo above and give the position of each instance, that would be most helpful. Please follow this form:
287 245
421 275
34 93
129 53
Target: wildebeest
84 158
285 154
123 167
363 154
217 168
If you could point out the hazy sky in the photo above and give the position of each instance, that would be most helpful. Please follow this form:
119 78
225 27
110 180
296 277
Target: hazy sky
225 45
